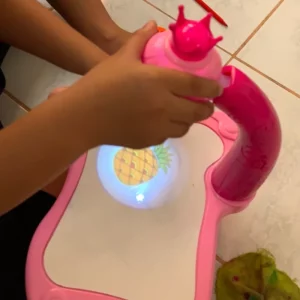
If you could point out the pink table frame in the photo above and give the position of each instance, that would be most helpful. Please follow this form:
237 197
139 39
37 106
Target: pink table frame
38 284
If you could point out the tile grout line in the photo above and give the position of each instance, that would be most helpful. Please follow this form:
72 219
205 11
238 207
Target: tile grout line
160 10
260 25
234 55
224 50
267 77
220 260
16 100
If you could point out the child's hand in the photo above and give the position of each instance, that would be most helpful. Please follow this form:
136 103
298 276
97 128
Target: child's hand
113 44
125 102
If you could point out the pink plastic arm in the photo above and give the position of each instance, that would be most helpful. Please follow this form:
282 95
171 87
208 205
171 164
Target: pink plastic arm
244 169
215 210
206 251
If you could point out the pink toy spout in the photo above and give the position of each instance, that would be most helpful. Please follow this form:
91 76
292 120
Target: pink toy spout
254 154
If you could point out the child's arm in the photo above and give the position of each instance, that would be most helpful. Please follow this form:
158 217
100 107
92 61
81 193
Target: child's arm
35 150
91 19
28 26
119 102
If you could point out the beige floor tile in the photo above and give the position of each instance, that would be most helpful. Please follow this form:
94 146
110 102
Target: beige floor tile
9 110
31 79
242 16
272 220
275 49
133 14
124 13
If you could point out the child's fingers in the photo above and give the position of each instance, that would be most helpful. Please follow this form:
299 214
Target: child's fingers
136 44
185 111
189 85
57 91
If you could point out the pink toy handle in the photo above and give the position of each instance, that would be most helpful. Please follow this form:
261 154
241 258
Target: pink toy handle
206 252
247 165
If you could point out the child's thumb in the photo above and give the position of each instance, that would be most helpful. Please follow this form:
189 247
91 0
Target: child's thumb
135 46
57 91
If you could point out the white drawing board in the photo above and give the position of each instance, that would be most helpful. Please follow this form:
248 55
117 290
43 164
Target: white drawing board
135 241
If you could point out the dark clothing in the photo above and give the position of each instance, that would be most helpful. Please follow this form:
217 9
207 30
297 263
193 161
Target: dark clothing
16 230
3 50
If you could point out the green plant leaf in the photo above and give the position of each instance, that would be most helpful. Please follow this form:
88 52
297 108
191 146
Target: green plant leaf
273 278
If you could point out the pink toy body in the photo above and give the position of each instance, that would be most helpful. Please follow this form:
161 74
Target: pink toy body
41 286
255 152
159 52
189 47
251 140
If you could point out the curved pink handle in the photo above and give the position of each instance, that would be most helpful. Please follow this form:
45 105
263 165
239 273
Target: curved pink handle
206 252
244 169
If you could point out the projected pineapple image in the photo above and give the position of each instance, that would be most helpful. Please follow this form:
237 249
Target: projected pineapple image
141 179
134 167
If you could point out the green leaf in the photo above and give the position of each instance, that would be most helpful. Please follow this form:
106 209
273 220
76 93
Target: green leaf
273 278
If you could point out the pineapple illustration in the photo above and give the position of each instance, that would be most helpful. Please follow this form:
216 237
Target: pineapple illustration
134 167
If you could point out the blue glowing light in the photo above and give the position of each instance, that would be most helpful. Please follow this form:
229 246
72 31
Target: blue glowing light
149 194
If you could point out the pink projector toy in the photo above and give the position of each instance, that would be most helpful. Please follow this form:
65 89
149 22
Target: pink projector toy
127 224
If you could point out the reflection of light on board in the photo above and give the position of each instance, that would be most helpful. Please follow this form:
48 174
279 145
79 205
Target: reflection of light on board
138 178
140 197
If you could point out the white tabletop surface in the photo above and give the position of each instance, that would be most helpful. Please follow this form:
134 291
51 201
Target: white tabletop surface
137 254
